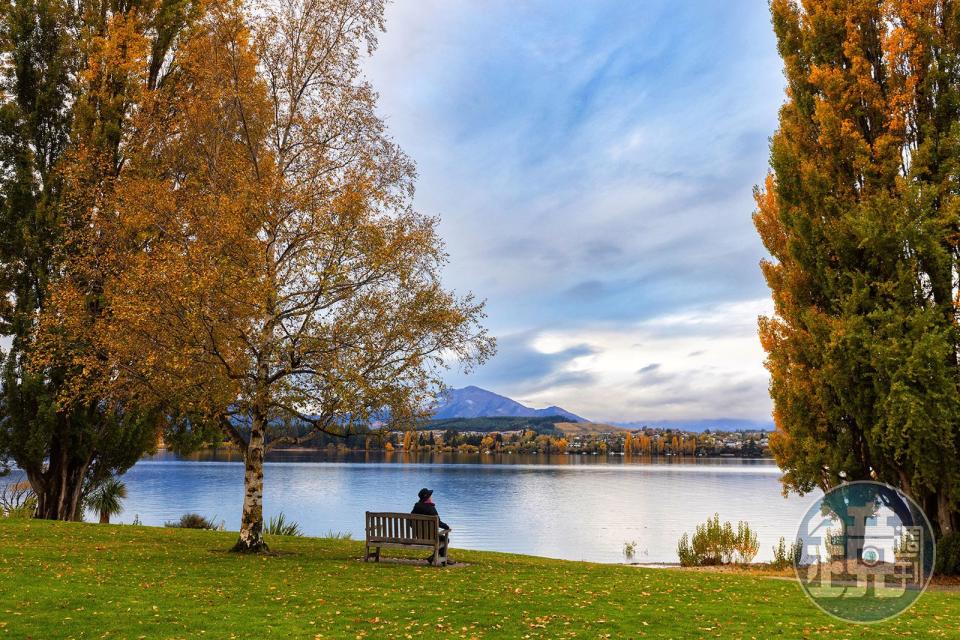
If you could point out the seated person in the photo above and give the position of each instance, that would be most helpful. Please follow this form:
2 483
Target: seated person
426 507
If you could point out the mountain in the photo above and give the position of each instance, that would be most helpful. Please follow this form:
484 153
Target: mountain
713 424
474 402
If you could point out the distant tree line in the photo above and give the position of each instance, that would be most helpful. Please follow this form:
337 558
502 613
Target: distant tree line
523 435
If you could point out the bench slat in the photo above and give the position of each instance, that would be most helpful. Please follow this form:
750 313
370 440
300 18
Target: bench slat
399 545
402 528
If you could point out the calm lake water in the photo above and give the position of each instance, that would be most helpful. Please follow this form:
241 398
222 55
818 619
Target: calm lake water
572 507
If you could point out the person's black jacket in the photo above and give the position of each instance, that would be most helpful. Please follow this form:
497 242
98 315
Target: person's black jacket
428 509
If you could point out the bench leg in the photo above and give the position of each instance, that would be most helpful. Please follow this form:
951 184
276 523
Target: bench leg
442 546
374 554
440 553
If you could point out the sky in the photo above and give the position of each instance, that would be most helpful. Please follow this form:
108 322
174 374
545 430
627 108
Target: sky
592 164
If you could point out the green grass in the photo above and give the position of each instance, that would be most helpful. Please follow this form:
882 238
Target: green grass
61 580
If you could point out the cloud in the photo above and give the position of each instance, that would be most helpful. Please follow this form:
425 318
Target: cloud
521 366
592 165
642 371
726 378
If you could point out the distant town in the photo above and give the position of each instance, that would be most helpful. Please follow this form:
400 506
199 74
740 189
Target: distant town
642 442
549 435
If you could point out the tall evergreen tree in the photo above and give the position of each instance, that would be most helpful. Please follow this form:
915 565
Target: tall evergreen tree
46 114
860 214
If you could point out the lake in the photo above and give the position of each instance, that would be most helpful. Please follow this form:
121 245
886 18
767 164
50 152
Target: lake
571 507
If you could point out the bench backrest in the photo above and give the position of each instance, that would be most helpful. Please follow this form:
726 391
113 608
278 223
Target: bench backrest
402 528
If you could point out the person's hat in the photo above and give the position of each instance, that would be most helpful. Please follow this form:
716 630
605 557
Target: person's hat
425 493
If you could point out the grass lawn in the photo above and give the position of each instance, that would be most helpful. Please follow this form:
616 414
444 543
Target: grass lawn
60 580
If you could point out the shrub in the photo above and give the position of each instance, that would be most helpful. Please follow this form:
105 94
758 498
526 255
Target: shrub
685 552
716 543
279 526
17 500
836 545
713 543
785 556
338 535
746 544
24 511
106 499
193 521
948 555
629 550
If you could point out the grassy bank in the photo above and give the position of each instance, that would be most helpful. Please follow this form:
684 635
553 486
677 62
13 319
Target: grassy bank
93 581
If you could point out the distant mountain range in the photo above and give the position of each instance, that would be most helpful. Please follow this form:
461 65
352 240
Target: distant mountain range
474 402
714 424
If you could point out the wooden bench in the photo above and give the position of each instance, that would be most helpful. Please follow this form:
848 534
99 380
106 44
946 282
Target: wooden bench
405 530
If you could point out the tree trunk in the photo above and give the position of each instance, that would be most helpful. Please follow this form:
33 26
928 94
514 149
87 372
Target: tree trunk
251 525
944 514
104 517
59 489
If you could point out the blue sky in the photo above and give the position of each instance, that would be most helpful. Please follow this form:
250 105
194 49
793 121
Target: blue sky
592 164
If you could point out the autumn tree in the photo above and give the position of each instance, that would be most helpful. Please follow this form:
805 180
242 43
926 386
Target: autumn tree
66 92
258 252
643 443
860 215
543 443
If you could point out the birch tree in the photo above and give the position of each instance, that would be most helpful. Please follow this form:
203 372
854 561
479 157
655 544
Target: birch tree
261 259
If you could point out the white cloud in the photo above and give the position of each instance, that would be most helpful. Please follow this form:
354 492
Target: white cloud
709 364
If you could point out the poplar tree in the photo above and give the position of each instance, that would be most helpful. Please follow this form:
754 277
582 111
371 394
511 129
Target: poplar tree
47 114
860 215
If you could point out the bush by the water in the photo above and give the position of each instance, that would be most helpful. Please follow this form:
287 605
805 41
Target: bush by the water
280 526
106 498
785 556
194 521
718 543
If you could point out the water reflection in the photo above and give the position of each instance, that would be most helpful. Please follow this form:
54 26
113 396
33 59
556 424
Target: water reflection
574 507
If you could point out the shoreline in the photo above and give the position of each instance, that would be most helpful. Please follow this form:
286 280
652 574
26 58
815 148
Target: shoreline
231 449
